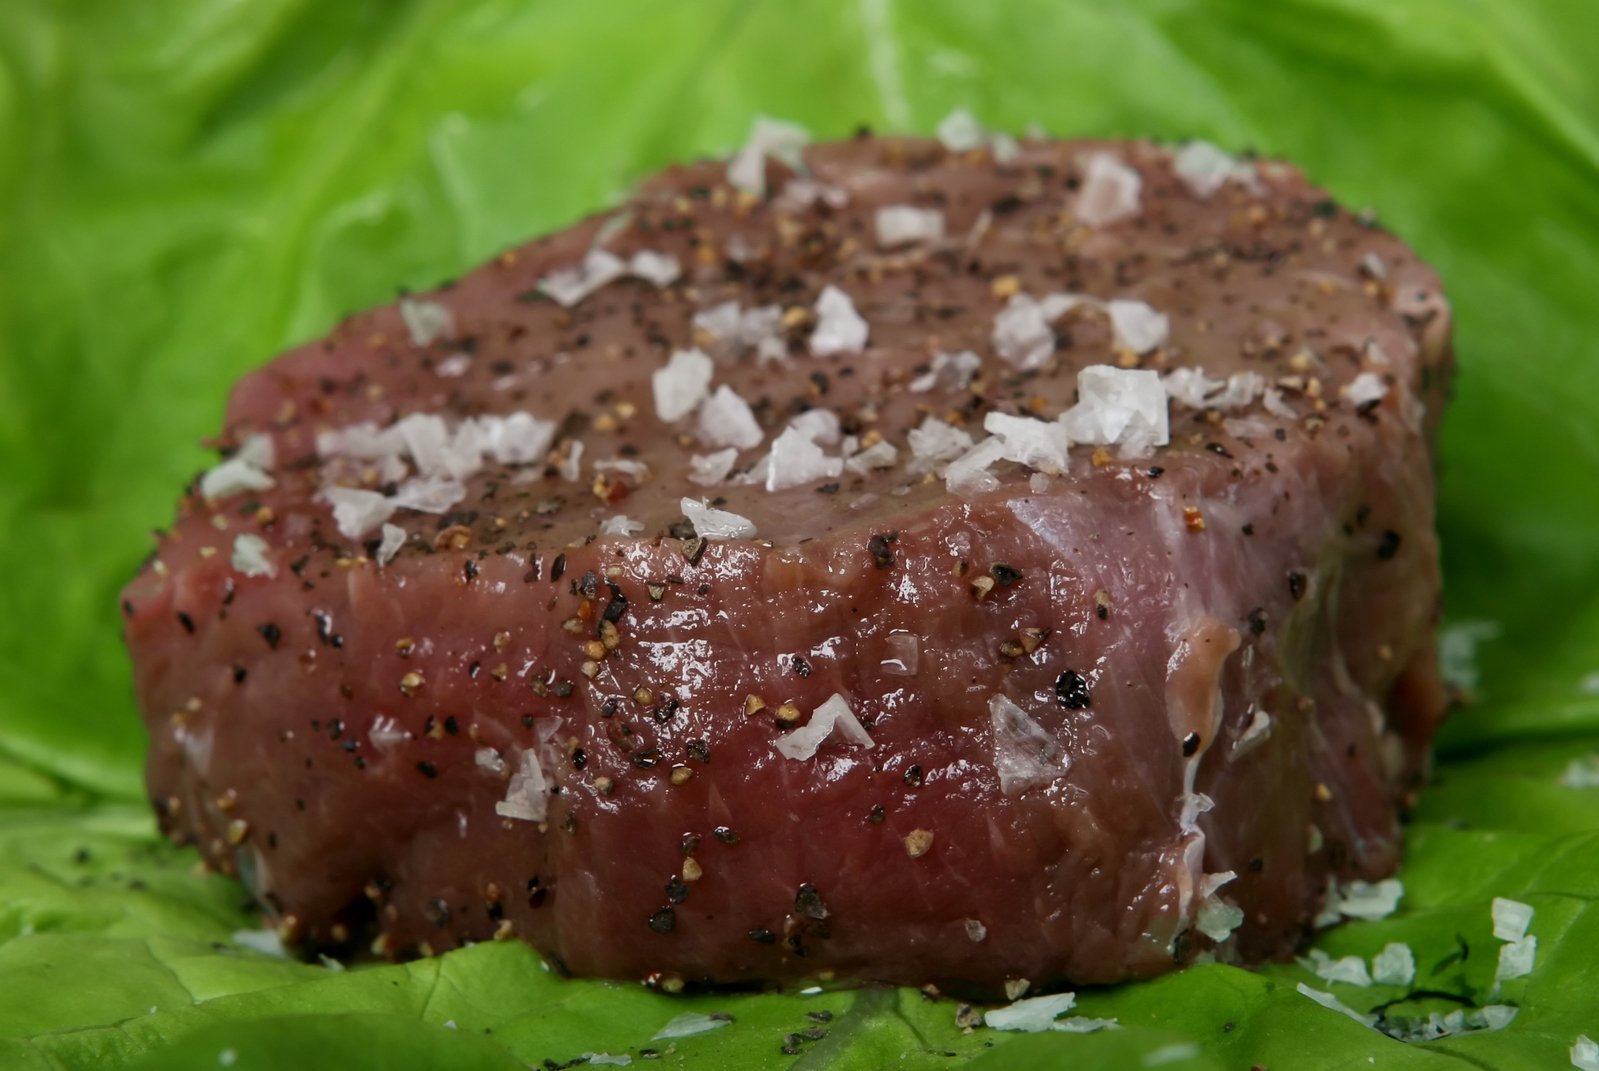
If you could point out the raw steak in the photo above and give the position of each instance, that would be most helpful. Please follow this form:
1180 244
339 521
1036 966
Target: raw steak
879 560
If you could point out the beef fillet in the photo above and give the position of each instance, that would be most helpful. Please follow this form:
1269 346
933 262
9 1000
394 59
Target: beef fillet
900 563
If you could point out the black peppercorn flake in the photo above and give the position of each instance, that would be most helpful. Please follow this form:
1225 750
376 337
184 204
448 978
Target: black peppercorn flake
1071 688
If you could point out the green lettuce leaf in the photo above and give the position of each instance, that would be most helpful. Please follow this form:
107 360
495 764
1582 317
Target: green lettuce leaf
188 187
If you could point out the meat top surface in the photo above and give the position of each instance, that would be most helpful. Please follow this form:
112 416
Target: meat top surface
643 507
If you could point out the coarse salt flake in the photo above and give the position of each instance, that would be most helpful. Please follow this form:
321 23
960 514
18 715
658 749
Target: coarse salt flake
682 384
525 797
934 442
1204 169
571 467
266 942
839 328
1516 958
1217 918
726 419
1084 1024
1581 773
250 556
1365 389
1039 444
1110 191
620 525
903 224
258 451
662 269
1119 406
708 470
796 459
357 512
1350 969
950 371
1032 1015
833 715
968 474
1327 1000
1025 755
1394 965
516 438
690 1023
1136 325
768 138
425 321
393 538
1360 900
232 476
1511 918
568 286
454 366
430 494
960 131
1022 335
1585 1053
805 192
712 523
880 455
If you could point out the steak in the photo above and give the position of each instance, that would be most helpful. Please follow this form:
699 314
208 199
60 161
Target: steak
877 559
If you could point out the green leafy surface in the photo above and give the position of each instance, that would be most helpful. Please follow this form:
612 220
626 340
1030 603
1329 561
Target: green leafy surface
188 187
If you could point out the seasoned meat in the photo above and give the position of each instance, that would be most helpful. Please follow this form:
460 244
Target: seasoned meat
899 563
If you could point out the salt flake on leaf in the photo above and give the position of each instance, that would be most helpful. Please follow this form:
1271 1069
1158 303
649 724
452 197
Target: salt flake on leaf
1032 1015
1511 918
1327 1000
1394 965
689 1024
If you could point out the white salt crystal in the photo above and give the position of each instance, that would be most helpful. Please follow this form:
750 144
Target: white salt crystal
250 556
568 286
902 224
425 321
712 523
833 715
682 384
1110 191
839 328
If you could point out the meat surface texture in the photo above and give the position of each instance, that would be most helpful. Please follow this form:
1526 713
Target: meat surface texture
787 575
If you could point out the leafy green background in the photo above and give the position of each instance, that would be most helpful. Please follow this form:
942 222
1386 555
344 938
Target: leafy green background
187 187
